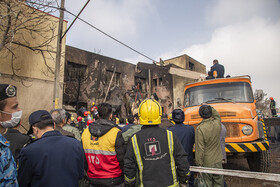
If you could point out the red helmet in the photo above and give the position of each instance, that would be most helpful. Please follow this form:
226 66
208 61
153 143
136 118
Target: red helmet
79 118
86 113
271 98
89 122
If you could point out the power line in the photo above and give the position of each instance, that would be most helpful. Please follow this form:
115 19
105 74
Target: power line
76 17
111 37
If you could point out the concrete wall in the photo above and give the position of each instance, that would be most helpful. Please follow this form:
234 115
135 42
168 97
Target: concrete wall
97 79
179 84
184 62
34 81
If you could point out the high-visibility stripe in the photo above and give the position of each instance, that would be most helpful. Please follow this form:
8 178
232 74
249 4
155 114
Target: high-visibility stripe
261 146
171 150
92 151
247 147
128 179
138 158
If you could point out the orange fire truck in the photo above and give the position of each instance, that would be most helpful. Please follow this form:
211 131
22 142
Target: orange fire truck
233 99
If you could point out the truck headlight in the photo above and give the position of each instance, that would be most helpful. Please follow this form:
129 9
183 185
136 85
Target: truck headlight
247 130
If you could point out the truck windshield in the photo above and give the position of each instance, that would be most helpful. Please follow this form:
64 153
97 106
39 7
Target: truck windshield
236 92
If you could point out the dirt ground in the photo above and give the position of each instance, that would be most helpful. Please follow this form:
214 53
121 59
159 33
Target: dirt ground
241 164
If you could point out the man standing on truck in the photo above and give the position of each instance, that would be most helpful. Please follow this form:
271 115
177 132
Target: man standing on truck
220 70
208 152
272 107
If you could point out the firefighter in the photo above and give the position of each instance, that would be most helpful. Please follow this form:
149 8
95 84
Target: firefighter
273 107
82 119
154 155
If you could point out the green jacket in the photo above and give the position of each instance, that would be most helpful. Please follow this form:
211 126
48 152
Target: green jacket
74 130
132 130
207 141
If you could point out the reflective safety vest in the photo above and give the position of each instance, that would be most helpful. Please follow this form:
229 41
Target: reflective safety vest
101 155
140 163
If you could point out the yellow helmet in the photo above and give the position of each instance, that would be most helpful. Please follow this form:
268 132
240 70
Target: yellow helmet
149 112
93 103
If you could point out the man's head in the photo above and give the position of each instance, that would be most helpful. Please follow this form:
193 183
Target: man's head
40 121
178 116
205 111
10 113
215 61
149 112
105 111
271 98
59 117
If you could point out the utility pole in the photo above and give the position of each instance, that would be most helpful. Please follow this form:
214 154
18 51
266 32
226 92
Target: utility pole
58 57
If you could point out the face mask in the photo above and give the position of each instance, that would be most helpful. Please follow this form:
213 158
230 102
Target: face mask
16 117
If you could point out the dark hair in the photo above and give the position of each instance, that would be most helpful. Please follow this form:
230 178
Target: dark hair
68 116
121 120
205 111
130 118
104 110
41 125
178 116
3 104
136 116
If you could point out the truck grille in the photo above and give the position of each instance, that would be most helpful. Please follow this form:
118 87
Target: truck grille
227 114
232 129
222 114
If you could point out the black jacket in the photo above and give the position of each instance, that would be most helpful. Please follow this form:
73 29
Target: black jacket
17 141
220 70
186 135
155 157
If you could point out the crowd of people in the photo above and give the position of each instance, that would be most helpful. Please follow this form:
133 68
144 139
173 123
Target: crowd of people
98 152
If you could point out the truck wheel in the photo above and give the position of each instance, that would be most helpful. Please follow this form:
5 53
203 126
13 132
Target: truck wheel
259 161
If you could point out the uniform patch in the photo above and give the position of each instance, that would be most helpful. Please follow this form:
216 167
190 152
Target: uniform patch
152 148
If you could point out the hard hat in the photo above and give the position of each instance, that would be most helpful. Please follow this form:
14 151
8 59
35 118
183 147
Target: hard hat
93 103
89 122
178 116
149 112
215 74
271 98
170 116
79 118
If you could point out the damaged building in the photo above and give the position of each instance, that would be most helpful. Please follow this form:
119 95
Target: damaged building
90 77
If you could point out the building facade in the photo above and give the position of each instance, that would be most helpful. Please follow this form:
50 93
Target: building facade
90 77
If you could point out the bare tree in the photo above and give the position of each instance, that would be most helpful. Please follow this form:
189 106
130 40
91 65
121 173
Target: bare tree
27 24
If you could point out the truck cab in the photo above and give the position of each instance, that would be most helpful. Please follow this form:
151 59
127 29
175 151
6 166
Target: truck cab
233 99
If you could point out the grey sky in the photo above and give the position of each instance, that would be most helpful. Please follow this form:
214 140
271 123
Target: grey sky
243 35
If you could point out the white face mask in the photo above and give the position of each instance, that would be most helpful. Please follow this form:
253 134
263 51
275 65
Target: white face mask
16 117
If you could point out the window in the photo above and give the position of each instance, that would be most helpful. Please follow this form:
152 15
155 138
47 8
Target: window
237 92
155 82
75 72
191 66
116 79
